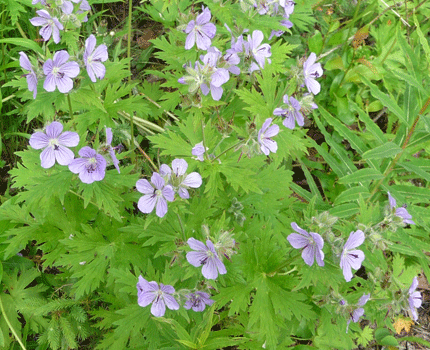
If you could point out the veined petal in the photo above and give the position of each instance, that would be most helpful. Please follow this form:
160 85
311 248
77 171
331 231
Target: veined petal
204 17
196 244
355 239
168 193
171 302
157 180
146 203
179 166
209 269
190 40
193 180
39 140
77 165
299 230
60 58
71 69
297 241
87 152
47 157
161 207
196 258
69 139
64 84
146 298
158 308
63 155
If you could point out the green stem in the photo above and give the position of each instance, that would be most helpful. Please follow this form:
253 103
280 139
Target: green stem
283 265
171 115
10 326
228 149
21 31
130 11
70 107
404 145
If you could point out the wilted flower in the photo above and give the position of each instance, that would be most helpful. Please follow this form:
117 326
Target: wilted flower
59 72
200 31
93 57
311 242
400 212
357 313
50 25
55 145
31 75
265 135
111 150
312 70
154 197
207 256
415 299
91 167
158 295
350 257
198 151
198 301
291 113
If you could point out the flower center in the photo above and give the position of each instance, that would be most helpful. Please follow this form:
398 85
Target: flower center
91 165
54 144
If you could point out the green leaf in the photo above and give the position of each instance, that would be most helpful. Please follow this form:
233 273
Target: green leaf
415 340
362 175
388 150
352 194
27 43
386 100
345 210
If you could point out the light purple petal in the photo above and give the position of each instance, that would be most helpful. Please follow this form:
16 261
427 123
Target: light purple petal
161 208
146 203
157 180
196 258
54 129
364 299
204 17
146 298
220 266
355 240
196 244
202 40
87 152
297 241
48 66
209 269
69 139
205 89
158 308
47 157
71 69
77 165
100 53
299 230
49 83
183 193
64 84
168 193
143 186
272 131
220 77
392 201
414 285
60 58
313 86
193 180
209 29
63 155
96 69
39 140
179 166
24 61
308 254
216 92
190 40
171 302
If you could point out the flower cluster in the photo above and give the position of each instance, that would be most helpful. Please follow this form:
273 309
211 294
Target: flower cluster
265 135
90 167
213 70
400 212
164 185
356 313
160 296
414 299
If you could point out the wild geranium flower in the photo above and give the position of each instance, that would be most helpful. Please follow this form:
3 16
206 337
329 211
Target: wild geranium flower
154 197
91 167
260 52
50 25
265 135
291 113
207 256
31 75
198 151
111 150
198 301
400 212
179 179
312 70
357 313
200 31
350 257
55 143
311 242
415 299
159 295
93 57
59 72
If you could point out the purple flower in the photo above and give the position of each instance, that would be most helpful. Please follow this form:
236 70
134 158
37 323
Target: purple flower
198 301
311 242
217 76
312 70
154 197
415 299
59 72
180 181
357 313
400 212
159 296
50 25
200 31
260 52
55 145
207 256
111 150
291 113
350 257
91 167
265 135
31 76
198 151
93 57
